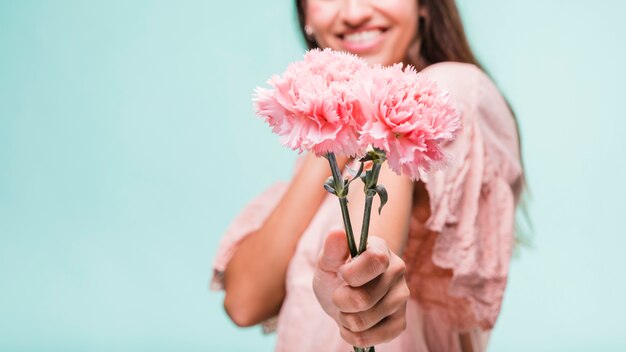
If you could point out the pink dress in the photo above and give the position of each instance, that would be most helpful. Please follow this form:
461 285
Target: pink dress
457 260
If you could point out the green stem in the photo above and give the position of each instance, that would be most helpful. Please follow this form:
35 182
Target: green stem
366 349
343 203
369 197
334 168
366 223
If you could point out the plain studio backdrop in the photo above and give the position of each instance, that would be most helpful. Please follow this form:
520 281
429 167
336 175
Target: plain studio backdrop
128 142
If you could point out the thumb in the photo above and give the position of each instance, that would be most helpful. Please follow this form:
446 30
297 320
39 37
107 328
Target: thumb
335 251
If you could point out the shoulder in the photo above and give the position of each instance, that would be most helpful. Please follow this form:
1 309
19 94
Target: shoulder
453 72
475 94
486 118
467 84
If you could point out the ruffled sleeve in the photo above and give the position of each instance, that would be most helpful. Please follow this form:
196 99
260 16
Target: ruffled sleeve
458 260
248 221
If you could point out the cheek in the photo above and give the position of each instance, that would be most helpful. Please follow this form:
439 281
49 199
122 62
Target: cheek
403 12
405 15
401 6
320 14
312 8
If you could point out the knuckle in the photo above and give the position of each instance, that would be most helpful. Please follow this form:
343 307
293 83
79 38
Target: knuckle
351 300
405 292
399 327
348 336
398 268
351 277
338 299
360 300
353 322
392 328
380 261
378 241
344 320
361 339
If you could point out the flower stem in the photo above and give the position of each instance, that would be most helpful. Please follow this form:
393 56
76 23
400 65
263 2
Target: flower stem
370 192
343 202
366 349
366 223
371 181
341 193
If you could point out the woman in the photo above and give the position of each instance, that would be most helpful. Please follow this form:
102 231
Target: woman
434 278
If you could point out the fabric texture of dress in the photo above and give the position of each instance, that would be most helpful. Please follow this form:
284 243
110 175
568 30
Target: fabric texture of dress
457 260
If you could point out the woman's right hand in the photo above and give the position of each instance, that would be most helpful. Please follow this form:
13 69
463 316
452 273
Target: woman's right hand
367 295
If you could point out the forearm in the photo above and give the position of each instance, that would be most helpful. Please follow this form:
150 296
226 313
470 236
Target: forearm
254 279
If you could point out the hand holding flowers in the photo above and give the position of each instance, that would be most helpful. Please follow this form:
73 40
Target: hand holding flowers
366 296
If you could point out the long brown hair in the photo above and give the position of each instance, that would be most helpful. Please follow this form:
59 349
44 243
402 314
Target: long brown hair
442 38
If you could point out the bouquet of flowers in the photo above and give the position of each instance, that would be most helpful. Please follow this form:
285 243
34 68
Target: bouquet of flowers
332 103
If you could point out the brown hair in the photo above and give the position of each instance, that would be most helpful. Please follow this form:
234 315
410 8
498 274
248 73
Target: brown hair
442 38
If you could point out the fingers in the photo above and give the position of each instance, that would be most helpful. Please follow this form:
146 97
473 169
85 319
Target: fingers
334 253
382 332
358 299
349 299
368 265
372 307
395 300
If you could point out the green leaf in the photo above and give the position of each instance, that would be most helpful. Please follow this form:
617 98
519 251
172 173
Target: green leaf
329 185
366 176
351 171
356 174
367 157
382 193
346 186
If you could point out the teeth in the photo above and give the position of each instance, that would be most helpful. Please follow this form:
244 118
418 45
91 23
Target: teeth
362 37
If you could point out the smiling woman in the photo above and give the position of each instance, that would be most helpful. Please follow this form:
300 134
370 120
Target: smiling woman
433 276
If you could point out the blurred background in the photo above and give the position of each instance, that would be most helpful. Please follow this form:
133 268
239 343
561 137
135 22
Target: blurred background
128 142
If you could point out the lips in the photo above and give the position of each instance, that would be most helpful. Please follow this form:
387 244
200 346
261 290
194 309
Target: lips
362 41
363 36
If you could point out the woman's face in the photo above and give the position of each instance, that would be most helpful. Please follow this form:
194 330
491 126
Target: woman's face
380 31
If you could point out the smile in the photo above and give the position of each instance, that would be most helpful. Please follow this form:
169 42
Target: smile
363 37
363 41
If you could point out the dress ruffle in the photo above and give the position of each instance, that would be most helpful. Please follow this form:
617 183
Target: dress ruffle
458 260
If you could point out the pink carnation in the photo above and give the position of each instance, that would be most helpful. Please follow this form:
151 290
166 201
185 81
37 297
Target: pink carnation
408 116
312 105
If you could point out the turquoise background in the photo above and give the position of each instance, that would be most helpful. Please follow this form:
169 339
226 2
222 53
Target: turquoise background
128 143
